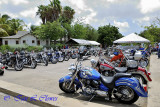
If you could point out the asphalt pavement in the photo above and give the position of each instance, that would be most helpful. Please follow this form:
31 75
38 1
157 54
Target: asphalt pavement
45 78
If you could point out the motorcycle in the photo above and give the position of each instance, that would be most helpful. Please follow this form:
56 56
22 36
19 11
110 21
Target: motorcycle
41 57
67 55
60 56
124 88
84 53
106 68
52 57
74 54
29 59
13 60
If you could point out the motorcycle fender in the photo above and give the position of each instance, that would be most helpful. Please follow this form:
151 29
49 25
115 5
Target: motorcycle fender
132 83
69 78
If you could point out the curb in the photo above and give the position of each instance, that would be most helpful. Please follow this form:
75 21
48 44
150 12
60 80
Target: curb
25 92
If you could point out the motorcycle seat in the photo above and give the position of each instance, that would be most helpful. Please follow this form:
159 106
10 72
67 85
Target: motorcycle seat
109 82
121 69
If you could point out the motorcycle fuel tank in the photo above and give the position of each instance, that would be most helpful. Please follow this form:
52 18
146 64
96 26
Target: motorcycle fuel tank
89 73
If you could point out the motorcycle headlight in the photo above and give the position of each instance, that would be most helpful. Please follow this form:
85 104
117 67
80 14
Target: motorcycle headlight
72 69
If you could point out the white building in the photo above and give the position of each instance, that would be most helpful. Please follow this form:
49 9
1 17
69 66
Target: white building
23 37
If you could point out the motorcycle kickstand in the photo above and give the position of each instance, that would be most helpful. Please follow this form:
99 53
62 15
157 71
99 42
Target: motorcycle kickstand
91 98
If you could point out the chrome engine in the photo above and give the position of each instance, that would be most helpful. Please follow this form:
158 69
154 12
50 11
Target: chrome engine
91 88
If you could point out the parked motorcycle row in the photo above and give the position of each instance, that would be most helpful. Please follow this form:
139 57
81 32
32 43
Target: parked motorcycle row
19 60
120 75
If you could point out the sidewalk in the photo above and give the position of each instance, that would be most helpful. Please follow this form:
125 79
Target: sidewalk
42 98
154 86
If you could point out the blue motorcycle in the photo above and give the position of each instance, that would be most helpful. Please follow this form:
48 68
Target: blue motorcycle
52 57
60 56
122 86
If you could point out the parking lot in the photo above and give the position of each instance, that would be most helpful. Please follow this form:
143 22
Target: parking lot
45 78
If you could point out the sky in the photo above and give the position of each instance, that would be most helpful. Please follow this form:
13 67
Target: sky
129 16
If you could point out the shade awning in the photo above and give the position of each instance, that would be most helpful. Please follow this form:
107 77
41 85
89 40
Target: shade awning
132 38
82 42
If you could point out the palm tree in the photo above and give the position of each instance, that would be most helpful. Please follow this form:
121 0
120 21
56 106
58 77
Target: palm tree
3 33
42 12
16 25
50 12
67 14
4 19
55 9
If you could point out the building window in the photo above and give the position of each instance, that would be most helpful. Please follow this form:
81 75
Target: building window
6 42
24 41
17 42
33 41
38 42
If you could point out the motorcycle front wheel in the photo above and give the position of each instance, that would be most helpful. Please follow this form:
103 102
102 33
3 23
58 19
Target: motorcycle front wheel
126 95
54 60
143 62
45 61
67 58
33 64
19 66
64 87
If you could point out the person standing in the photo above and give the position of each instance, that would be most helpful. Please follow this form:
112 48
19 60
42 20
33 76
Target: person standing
158 50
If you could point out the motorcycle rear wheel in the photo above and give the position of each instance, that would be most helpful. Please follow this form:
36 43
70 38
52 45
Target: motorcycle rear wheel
127 95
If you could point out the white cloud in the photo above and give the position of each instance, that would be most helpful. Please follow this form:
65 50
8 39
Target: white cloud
11 15
3 2
90 18
38 22
17 2
111 1
121 24
31 13
147 6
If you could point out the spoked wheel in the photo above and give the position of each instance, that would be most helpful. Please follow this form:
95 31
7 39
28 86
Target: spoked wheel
60 59
33 64
126 95
67 58
45 61
64 87
143 62
19 66
54 60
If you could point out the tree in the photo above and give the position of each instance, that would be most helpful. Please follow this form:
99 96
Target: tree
42 13
4 19
33 28
91 33
52 31
79 31
67 15
16 25
51 12
3 33
69 31
108 34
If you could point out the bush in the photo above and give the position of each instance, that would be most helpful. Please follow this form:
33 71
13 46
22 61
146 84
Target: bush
6 48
